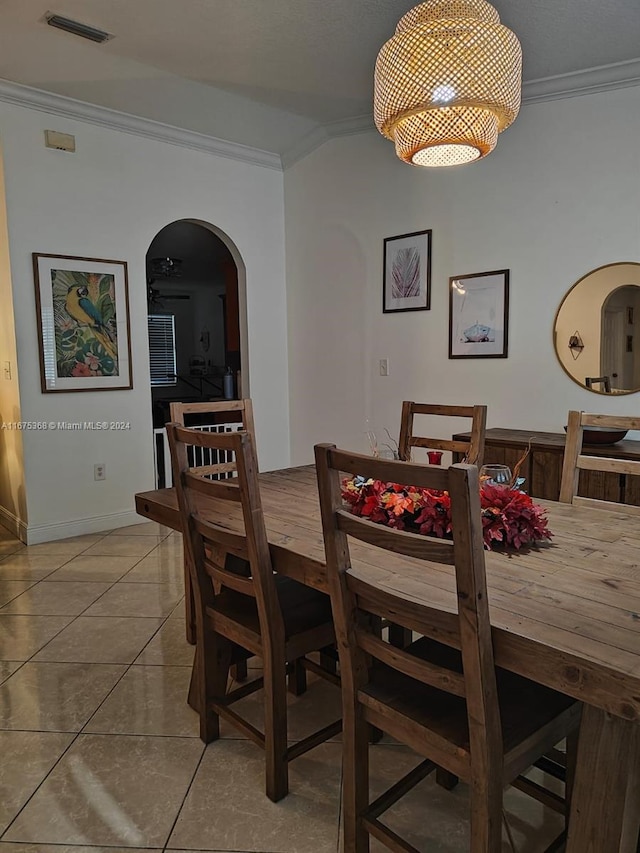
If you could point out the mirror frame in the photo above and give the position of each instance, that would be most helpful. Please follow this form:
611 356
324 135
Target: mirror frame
557 314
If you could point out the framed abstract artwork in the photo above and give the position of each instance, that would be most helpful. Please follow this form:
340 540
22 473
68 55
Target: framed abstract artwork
407 272
83 323
479 315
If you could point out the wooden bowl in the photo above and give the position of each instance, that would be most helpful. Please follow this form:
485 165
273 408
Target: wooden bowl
602 435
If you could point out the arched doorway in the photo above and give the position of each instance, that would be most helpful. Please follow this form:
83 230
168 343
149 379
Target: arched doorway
196 319
619 358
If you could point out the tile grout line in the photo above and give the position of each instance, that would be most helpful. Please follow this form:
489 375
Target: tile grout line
28 800
82 612
184 799
73 619
77 734
126 665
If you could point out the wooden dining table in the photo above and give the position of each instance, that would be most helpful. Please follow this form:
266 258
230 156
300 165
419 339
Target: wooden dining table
565 614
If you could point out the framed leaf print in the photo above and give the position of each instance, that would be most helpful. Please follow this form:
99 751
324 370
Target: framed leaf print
407 272
83 323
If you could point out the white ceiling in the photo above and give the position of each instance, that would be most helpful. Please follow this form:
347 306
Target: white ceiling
270 73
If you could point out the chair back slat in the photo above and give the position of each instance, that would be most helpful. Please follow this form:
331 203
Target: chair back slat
231 580
575 460
221 540
428 621
428 673
211 471
200 438
203 537
178 410
225 490
606 464
350 592
611 421
408 544
473 449
421 476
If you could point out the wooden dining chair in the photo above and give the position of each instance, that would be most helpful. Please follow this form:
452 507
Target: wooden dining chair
603 381
473 449
238 613
443 695
575 460
221 416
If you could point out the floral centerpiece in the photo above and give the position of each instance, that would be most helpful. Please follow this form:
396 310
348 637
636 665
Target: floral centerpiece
509 516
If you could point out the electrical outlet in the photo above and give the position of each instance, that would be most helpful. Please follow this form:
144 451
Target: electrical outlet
7 370
384 367
100 471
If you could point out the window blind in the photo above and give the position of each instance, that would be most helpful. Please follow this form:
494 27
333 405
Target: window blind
162 349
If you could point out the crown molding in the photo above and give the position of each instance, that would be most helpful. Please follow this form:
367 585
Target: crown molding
60 105
589 81
323 133
602 78
303 147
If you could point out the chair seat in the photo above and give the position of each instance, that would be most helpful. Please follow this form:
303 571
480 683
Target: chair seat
525 707
303 608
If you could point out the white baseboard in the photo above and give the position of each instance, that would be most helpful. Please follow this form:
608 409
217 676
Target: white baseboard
65 529
13 523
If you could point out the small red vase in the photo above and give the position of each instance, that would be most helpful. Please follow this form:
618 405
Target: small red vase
435 457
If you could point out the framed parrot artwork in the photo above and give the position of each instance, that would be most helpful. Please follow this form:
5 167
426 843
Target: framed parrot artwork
83 319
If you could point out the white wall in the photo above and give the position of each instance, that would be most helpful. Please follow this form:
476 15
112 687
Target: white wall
109 200
558 197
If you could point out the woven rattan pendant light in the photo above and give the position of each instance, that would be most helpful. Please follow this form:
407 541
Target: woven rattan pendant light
448 82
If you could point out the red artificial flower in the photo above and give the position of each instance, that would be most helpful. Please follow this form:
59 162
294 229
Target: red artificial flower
509 516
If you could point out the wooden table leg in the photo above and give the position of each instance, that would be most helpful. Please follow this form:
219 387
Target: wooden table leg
631 828
189 604
603 813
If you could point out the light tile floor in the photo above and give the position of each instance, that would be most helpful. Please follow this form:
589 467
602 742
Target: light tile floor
100 752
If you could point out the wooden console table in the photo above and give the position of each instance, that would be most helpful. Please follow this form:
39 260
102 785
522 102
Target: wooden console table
543 467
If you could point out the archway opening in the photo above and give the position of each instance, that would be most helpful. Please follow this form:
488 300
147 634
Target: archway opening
194 320
619 351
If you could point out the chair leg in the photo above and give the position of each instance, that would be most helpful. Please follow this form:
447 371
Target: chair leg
572 757
239 671
486 815
399 637
355 786
275 727
209 681
445 779
328 659
297 681
189 602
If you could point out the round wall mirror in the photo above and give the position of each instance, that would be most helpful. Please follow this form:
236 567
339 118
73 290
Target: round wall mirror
597 330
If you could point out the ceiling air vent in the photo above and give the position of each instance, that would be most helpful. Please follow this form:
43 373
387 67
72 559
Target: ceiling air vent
76 28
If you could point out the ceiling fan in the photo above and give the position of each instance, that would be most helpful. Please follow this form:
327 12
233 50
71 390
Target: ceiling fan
163 268
156 299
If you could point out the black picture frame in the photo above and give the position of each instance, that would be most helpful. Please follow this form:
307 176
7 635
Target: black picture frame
479 315
407 267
